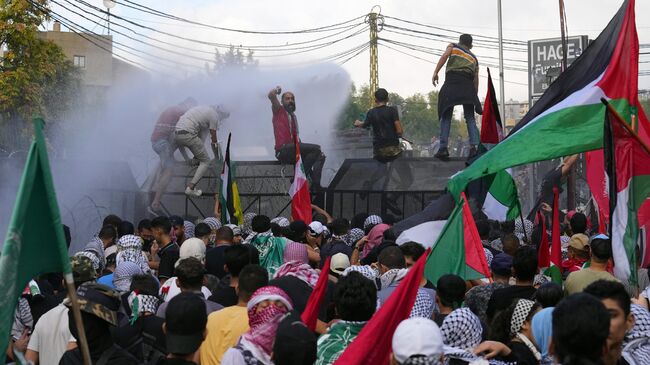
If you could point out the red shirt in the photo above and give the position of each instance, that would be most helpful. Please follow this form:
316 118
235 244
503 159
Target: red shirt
283 132
572 265
167 123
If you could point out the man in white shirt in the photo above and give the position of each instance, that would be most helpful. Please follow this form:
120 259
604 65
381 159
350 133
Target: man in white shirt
191 131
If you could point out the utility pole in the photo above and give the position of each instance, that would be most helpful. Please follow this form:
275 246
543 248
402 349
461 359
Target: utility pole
571 178
501 81
373 19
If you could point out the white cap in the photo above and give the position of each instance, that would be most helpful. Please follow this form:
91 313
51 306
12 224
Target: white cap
317 227
417 336
339 263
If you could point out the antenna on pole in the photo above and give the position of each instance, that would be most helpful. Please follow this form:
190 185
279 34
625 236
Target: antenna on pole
376 22
109 4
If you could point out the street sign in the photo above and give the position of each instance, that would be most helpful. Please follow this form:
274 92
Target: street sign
545 62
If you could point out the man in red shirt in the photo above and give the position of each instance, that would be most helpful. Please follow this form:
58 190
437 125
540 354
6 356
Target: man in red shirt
162 142
285 130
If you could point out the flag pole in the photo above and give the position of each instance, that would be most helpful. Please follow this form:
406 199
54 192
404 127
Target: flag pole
76 312
620 120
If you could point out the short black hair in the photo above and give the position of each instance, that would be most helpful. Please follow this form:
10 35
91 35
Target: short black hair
251 278
355 298
465 39
339 226
145 284
111 259
107 232
601 249
580 328
549 294
606 289
279 231
224 234
144 224
112 220
261 223
190 273
483 227
381 95
524 263
392 257
358 220
125 228
235 258
578 223
201 230
412 249
162 222
510 243
450 289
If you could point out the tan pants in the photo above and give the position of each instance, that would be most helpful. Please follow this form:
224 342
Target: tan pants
196 145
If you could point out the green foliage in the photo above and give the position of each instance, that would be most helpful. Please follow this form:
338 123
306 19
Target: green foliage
419 114
233 58
30 66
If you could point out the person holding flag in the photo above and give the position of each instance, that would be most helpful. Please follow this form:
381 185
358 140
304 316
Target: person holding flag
286 132
229 198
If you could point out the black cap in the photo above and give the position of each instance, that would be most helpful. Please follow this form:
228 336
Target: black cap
185 320
502 264
176 220
98 300
294 343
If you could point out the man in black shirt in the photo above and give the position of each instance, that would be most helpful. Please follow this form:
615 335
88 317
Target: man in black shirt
168 252
214 257
387 131
235 257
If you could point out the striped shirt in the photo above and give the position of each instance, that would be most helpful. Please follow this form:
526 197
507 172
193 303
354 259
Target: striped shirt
462 60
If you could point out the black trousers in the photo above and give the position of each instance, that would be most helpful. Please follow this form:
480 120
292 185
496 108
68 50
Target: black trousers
312 157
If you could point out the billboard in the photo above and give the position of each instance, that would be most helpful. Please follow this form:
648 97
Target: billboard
545 61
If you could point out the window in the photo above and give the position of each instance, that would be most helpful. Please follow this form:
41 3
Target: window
79 61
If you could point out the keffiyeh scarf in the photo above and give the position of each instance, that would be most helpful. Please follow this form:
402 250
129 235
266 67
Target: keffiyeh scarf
354 236
271 250
375 238
92 257
523 230
519 315
299 270
281 221
367 271
213 223
189 229
97 246
372 220
247 227
423 306
130 250
123 274
423 360
141 303
636 345
264 323
392 276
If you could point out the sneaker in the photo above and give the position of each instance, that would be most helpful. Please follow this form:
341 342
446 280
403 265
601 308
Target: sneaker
442 153
195 192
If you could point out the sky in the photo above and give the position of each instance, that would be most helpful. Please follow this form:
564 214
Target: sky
523 20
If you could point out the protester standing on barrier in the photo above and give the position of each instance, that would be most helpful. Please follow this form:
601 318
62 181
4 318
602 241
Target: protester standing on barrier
285 130
460 88
191 131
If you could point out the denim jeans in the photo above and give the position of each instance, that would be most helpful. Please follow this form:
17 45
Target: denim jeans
445 126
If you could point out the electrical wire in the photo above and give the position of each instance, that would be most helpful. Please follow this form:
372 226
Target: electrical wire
149 10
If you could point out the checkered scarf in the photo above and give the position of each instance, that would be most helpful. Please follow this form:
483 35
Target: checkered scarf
130 250
141 303
392 276
519 315
281 221
636 346
213 223
299 270
123 273
247 227
354 236
97 246
92 257
423 360
189 229
524 229
367 271
423 306
264 323
488 256
372 220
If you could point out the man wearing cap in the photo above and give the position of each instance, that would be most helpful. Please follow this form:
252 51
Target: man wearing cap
578 253
184 329
339 262
99 311
601 252
417 341
52 333
191 130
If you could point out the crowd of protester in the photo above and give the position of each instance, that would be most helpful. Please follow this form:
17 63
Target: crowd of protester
169 291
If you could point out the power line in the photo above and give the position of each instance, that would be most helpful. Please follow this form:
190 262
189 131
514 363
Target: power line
146 9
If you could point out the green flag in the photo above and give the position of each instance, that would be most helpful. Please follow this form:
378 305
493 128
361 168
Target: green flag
35 242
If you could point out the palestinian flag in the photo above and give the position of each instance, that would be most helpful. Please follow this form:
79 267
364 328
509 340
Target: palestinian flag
299 191
231 212
552 264
628 169
459 249
568 118
501 201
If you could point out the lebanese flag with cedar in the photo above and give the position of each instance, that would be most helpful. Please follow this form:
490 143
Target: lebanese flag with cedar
299 191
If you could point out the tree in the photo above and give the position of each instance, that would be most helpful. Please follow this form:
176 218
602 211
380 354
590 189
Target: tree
232 58
35 76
